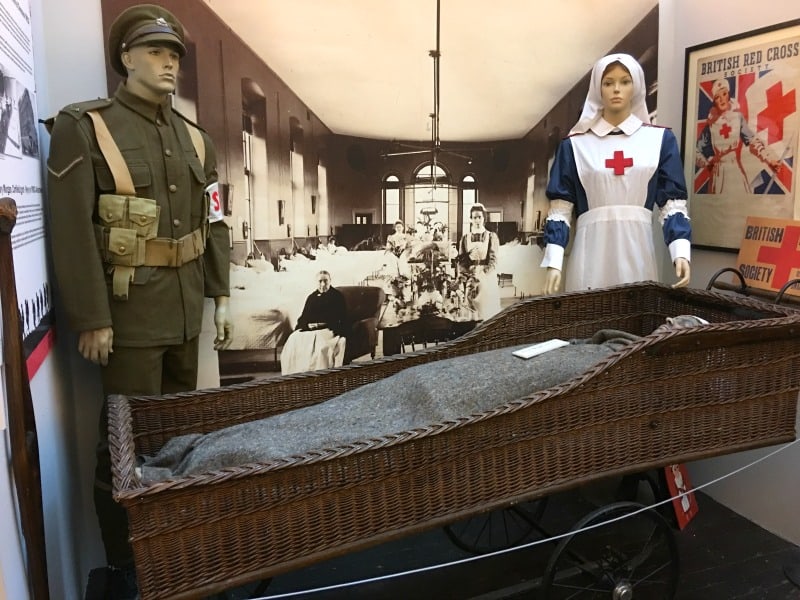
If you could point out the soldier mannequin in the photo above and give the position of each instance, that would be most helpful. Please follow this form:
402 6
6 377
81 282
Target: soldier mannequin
135 300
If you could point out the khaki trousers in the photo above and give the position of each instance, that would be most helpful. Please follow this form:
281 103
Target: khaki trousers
135 372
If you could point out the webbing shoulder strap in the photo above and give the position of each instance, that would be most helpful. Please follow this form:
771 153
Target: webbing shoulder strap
108 147
198 143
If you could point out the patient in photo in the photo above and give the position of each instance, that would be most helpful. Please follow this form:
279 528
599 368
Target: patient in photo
317 341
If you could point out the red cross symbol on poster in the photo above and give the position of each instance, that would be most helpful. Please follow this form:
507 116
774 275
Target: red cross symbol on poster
769 256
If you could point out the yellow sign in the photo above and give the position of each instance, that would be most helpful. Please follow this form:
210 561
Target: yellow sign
769 255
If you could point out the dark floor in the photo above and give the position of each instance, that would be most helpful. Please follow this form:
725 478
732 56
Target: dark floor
722 556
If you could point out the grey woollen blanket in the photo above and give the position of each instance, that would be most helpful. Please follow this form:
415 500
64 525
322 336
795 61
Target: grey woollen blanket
416 397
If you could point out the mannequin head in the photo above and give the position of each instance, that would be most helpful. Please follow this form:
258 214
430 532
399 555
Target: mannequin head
145 44
594 105
143 24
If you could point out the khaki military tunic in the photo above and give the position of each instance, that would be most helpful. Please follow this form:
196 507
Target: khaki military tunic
165 304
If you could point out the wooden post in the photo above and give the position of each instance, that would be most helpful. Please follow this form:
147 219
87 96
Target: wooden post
21 419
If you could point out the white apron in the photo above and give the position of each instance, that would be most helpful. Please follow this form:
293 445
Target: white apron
613 240
613 245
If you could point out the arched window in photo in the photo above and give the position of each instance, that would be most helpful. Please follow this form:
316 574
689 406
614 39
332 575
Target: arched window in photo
469 196
432 202
391 199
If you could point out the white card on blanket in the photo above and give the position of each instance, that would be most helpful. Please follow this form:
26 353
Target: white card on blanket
540 348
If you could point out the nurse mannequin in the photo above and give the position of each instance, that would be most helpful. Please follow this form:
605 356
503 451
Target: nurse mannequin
614 170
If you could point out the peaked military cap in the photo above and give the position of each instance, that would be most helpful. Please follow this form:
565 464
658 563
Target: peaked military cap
141 24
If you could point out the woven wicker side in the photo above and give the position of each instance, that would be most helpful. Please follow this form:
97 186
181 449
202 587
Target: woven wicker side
638 309
670 397
265 525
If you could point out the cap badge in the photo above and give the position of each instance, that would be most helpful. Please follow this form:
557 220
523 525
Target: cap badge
163 22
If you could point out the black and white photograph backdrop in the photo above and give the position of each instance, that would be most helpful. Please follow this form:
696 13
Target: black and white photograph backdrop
354 139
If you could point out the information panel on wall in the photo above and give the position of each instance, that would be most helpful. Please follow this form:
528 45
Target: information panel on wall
21 178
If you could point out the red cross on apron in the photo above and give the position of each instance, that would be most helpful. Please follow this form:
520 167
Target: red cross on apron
619 163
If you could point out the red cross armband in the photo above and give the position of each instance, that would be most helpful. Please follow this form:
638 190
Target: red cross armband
214 203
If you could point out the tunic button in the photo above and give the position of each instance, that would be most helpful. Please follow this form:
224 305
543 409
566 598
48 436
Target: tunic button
109 216
122 248
173 188
168 152
158 122
177 222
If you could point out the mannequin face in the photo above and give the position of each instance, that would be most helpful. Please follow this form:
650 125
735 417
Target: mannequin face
617 93
152 70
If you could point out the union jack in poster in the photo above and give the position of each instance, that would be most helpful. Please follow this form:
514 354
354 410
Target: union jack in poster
741 124
752 113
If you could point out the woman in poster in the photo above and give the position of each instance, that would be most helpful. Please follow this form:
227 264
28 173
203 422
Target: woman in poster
721 142
477 262
614 170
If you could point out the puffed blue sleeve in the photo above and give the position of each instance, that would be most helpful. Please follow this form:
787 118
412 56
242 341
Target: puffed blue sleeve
563 174
669 182
670 196
562 185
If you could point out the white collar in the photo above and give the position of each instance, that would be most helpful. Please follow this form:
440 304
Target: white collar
629 126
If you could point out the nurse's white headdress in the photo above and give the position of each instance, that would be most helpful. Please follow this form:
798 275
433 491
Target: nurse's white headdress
593 106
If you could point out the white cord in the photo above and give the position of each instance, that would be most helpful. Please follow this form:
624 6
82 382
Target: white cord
529 544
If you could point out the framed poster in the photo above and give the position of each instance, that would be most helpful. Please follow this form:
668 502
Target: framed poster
740 133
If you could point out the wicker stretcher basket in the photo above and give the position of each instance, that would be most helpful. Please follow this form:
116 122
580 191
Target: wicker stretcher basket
675 396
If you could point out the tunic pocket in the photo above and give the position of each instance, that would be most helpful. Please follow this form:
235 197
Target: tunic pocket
111 209
124 247
139 171
143 216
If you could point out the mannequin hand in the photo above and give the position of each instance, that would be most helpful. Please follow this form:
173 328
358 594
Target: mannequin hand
552 280
222 321
96 344
683 271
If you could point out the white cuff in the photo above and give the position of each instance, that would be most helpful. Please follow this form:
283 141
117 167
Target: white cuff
553 256
680 248
670 208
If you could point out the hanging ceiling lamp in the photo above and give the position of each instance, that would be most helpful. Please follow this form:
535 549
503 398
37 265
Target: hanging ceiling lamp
436 145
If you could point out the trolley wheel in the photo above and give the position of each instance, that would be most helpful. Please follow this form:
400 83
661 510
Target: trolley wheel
633 557
498 529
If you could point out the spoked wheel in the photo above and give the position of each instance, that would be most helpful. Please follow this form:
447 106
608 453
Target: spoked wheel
633 557
498 529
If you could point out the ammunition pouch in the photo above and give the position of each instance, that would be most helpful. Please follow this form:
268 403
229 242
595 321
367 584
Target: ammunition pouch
127 239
